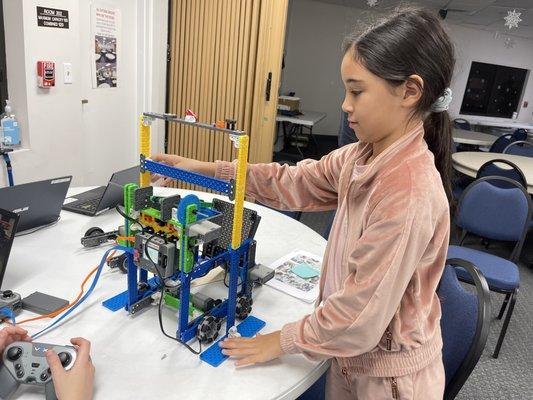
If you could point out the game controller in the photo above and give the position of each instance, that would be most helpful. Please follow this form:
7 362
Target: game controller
25 363
11 300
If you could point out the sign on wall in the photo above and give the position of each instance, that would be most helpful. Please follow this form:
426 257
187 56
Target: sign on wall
105 31
52 17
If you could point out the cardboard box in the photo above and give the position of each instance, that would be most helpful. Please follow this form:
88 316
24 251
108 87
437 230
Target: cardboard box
288 103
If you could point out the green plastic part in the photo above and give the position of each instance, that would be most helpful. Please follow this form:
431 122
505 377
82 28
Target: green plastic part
129 199
174 303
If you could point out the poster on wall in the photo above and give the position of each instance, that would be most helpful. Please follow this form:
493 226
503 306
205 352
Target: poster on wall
105 25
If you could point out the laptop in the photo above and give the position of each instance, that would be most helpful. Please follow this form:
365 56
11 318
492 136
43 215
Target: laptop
37 203
101 199
8 226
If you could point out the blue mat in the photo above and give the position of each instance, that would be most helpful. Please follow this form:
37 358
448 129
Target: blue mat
247 328
119 301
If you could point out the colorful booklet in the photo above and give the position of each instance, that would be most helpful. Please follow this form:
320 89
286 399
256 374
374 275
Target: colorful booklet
297 274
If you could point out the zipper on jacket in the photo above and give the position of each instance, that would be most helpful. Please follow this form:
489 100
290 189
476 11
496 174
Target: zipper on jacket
388 335
394 387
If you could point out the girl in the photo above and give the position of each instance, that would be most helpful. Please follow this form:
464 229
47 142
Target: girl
378 313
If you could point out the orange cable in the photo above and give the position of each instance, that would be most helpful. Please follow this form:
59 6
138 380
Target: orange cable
71 304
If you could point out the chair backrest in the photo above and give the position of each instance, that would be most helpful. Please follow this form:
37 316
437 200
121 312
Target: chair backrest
502 142
461 123
494 212
494 168
519 148
465 324
520 134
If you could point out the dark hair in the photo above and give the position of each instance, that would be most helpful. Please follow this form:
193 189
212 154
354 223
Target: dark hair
412 41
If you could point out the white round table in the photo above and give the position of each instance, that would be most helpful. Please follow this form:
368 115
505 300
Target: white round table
133 359
473 138
469 162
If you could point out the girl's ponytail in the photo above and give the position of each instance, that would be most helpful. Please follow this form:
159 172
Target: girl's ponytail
438 136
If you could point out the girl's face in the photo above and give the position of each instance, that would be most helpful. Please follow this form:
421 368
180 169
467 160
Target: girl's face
376 110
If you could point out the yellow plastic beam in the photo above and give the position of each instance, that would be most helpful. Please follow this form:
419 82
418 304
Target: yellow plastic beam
240 186
144 142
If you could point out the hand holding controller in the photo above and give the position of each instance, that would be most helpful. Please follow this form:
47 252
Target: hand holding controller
26 363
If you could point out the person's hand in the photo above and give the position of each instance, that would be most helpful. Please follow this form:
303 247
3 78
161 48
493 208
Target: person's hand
78 382
259 349
189 164
12 334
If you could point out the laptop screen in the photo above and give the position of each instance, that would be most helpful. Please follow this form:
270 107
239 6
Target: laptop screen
8 227
37 203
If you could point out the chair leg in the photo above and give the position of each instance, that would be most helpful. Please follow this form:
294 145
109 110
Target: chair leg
464 232
505 324
504 305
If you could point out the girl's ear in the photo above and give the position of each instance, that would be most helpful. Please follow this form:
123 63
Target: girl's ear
413 88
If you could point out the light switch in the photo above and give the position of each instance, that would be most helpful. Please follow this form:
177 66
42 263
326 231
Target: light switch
67 73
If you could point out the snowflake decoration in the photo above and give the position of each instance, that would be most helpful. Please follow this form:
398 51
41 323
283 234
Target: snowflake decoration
371 3
513 19
509 43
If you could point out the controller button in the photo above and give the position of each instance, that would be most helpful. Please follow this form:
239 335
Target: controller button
44 376
65 358
14 353
20 373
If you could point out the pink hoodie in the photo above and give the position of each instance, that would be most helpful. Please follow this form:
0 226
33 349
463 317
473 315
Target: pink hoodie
382 314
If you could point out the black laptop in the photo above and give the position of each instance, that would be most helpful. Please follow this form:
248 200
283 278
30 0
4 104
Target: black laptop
37 203
100 199
8 226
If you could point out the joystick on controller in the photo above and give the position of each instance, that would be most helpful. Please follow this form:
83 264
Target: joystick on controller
25 363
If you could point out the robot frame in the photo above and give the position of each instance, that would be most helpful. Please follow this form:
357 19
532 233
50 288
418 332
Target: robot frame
182 239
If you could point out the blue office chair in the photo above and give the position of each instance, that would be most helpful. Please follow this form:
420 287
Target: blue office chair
520 134
465 324
519 148
502 142
494 168
499 213
461 123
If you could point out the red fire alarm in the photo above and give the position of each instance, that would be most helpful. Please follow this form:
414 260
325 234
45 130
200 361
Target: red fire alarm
46 74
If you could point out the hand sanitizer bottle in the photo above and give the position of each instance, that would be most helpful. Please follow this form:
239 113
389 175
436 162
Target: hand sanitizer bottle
10 127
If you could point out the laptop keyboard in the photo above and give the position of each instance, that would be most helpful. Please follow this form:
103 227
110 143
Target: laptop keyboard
88 205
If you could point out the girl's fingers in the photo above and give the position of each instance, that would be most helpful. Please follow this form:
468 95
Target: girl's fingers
236 343
239 352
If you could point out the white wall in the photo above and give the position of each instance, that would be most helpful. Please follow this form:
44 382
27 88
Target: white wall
313 54
312 58
49 119
60 136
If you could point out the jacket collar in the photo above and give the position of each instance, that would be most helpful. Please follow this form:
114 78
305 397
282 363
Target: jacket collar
406 147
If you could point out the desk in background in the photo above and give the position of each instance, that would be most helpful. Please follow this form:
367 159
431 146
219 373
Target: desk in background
468 163
473 138
308 119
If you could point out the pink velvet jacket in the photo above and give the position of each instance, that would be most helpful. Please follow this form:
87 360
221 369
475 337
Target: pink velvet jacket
384 317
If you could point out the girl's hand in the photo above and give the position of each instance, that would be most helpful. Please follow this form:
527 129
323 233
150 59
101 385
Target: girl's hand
77 383
12 334
259 349
189 164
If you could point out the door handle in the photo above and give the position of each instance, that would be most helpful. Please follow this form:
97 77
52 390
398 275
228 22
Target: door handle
268 86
